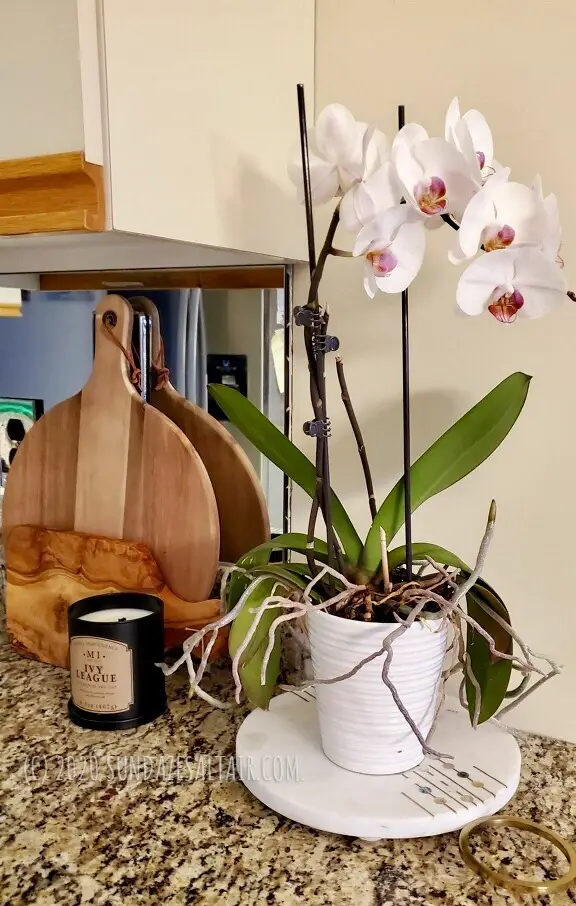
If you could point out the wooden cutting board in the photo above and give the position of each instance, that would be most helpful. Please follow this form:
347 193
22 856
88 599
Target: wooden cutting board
239 495
104 463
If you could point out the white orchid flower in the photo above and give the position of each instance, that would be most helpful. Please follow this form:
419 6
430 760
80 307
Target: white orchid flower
342 153
370 197
435 176
552 236
505 214
393 245
471 135
511 282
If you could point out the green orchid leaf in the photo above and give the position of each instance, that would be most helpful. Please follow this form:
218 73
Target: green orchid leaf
259 557
300 568
284 571
292 541
460 450
420 551
492 674
251 662
270 441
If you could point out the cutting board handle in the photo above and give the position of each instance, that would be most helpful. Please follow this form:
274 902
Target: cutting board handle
113 342
146 305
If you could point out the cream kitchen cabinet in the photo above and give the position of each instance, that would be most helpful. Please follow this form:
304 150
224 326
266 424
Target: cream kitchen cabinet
150 133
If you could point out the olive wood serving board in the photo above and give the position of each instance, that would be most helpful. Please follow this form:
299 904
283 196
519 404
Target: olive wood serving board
49 570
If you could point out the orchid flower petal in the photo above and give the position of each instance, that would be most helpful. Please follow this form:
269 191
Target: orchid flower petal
509 282
480 134
336 133
496 179
408 170
439 158
408 248
537 187
375 149
409 135
323 178
478 213
457 256
370 285
383 228
368 199
479 280
517 205
466 146
452 117
433 223
552 239
541 282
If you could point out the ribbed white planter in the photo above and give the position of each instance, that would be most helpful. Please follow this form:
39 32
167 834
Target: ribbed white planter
362 730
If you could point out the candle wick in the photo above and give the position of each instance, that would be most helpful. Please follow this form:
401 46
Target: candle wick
122 620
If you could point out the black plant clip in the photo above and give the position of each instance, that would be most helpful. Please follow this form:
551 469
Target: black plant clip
307 317
324 343
320 427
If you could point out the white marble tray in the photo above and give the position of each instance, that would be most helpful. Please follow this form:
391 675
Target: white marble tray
280 760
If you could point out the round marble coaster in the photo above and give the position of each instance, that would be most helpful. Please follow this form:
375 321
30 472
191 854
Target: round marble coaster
280 760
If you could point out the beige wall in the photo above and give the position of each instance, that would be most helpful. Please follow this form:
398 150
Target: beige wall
514 61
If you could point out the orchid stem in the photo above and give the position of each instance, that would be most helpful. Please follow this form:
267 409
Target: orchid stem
385 567
406 410
316 365
357 435
341 253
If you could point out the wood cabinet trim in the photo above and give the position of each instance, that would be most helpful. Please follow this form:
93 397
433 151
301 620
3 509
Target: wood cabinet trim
51 193
169 278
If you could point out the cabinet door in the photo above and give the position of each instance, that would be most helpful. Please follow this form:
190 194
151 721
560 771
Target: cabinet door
49 82
202 115
51 146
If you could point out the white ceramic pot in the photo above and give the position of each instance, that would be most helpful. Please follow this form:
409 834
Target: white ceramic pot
362 730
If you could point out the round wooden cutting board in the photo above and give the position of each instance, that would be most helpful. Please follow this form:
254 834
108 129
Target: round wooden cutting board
239 495
106 464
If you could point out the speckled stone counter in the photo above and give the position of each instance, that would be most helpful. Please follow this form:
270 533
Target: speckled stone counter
120 819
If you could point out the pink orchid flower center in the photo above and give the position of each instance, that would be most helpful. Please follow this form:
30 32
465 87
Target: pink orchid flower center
481 159
382 261
506 304
494 238
430 195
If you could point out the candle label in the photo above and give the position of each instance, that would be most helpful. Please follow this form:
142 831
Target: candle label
101 675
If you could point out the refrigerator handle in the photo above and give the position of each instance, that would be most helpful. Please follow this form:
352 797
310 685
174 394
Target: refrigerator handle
196 351
202 357
179 377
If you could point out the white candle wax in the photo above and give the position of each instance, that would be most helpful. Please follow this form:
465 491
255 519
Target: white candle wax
115 615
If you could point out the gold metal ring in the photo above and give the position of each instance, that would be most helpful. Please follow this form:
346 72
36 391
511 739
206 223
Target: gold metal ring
502 879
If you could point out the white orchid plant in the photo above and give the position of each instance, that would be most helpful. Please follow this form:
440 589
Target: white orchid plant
389 196
508 238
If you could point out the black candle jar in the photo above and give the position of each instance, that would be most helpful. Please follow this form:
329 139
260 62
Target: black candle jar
116 640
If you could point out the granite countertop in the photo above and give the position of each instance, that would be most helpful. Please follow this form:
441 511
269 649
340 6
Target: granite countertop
125 818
